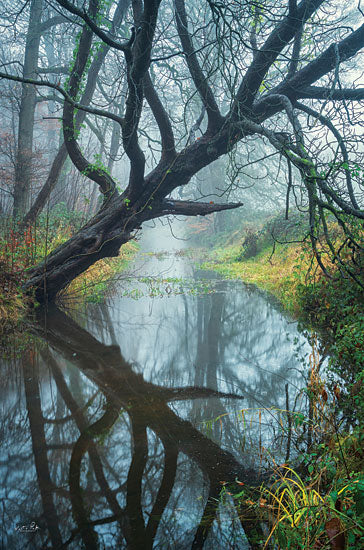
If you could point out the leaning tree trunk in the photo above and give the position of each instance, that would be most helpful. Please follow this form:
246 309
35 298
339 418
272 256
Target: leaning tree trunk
114 225
144 198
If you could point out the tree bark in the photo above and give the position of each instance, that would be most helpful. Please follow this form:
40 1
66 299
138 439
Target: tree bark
23 166
101 237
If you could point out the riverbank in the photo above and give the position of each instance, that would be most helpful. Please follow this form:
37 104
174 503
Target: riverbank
231 339
332 307
279 273
20 251
322 492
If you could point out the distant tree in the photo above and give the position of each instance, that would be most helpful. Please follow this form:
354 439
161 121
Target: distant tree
38 24
282 71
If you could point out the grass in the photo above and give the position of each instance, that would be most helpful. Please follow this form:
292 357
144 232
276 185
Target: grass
18 252
316 501
93 284
13 304
280 274
303 515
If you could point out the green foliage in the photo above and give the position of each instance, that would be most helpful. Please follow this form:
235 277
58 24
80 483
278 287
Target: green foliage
96 166
275 230
319 500
156 287
335 308
332 306
303 516
19 251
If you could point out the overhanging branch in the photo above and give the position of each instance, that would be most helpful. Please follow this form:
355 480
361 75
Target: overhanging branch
193 208
299 86
316 92
66 95
267 55
213 113
105 37
137 67
161 116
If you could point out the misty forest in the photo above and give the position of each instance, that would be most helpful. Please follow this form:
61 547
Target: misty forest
182 274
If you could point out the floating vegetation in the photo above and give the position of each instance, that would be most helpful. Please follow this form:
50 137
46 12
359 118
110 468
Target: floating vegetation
158 287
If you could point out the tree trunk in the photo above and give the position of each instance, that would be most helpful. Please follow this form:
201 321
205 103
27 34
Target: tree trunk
23 166
103 235
62 154
47 188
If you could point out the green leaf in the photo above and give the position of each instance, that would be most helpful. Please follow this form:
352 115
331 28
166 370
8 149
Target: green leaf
281 537
359 499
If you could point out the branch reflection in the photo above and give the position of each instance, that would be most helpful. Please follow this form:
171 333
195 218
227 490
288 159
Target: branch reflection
120 396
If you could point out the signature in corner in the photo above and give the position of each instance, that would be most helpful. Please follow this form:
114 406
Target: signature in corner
31 528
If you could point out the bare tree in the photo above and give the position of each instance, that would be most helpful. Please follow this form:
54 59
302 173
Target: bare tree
24 173
253 69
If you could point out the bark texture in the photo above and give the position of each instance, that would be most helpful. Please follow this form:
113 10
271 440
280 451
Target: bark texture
23 166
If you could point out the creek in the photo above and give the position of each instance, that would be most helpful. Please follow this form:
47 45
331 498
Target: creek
122 422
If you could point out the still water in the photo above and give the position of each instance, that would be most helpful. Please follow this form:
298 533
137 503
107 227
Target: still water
121 423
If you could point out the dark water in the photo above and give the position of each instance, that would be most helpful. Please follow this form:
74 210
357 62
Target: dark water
120 424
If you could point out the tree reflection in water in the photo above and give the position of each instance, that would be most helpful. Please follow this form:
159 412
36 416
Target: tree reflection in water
115 466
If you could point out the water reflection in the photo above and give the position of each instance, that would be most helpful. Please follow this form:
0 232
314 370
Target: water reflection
105 441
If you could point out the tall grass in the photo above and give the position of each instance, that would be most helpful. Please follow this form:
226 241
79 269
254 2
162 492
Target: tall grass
315 501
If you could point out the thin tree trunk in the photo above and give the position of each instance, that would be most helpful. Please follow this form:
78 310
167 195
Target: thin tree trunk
23 166
47 188
61 155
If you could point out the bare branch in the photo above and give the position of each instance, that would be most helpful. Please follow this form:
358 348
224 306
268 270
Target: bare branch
297 86
53 21
138 64
327 122
292 5
79 118
97 174
192 208
196 126
161 117
317 92
266 56
295 54
66 95
53 70
199 79
105 37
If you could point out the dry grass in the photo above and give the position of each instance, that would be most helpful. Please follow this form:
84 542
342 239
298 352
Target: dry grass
278 274
16 256
13 304
92 284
